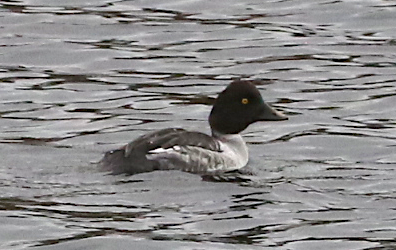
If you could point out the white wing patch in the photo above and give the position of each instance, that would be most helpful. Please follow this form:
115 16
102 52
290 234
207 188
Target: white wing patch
164 150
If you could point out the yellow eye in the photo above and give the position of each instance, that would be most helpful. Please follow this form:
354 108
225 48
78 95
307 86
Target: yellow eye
245 101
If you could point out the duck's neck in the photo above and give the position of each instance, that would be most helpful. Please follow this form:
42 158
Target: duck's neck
234 146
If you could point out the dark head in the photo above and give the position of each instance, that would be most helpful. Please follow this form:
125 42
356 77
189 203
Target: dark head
238 106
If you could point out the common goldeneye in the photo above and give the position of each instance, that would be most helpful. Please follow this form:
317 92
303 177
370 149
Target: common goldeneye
238 106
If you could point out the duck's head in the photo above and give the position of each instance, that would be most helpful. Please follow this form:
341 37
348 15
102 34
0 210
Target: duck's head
238 106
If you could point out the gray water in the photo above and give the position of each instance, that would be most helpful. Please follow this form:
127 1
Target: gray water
78 78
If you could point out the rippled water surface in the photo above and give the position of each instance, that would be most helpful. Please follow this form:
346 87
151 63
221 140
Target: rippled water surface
78 78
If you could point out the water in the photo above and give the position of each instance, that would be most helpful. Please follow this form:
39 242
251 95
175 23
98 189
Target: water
78 78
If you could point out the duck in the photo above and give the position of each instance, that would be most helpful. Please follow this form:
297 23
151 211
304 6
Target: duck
239 105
